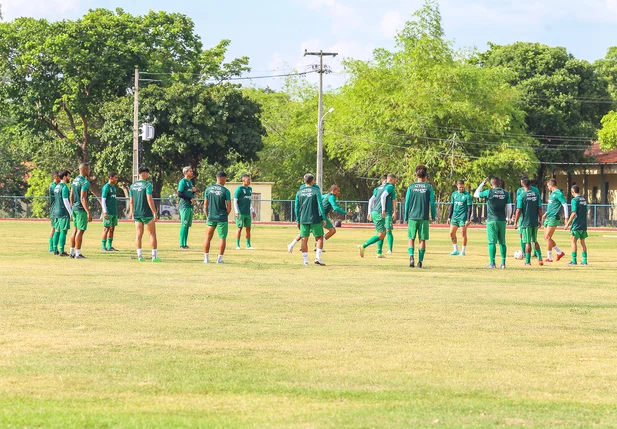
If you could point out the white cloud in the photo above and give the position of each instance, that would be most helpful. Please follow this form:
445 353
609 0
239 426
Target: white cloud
53 9
342 16
391 22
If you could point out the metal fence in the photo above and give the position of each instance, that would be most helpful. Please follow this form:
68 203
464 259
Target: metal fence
19 207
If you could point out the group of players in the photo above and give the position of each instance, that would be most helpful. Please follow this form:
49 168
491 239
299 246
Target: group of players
312 211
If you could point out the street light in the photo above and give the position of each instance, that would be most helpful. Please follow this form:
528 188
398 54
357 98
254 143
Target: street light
320 148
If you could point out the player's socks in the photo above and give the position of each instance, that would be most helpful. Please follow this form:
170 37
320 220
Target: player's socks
421 253
390 236
103 244
549 255
55 240
574 257
503 250
51 242
492 252
557 249
154 253
237 243
455 246
109 241
62 241
380 247
248 243
77 252
139 255
374 239
305 257
206 258
528 258
72 251
463 250
410 251
318 255
584 255
522 245
219 259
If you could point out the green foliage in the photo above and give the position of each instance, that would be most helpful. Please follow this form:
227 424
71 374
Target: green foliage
608 133
607 68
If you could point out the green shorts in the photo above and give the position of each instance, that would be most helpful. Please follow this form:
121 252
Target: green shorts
382 224
221 228
110 222
551 222
62 223
307 229
329 224
458 222
244 221
496 232
144 220
52 221
580 234
186 216
418 228
80 220
530 235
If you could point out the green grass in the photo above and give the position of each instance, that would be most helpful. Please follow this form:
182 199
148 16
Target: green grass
265 342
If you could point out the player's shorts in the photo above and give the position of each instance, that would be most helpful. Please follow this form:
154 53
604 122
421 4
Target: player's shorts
221 228
52 221
579 234
496 232
329 224
530 235
244 221
458 222
62 223
307 229
110 222
186 216
382 224
144 220
551 222
419 228
80 220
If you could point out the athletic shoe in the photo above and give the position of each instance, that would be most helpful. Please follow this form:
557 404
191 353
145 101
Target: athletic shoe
112 249
502 266
389 252
104 250
491 266
419 264
63 254
56 253
238 248
140 259
305 264
561 255
583 263
540 262
412 262
184 247
156 260
321 263
315 250
361 249
527 265
206 262
80 257
290 248
572 263
72 256
250 248
454 253
381 256
548 260
220 262
462 254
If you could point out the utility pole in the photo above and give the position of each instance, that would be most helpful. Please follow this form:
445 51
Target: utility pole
136 128
321 71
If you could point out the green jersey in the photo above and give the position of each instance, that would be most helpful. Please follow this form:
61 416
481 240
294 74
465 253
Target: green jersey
109 193
61 191
419 200
555 201
579 206
243 199
389 188
461 202
309 207
497 201
329 203
186 187
217 196
80 183
521 190
52 198
529 202
139 191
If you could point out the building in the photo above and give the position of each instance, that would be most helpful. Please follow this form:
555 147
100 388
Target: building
262 200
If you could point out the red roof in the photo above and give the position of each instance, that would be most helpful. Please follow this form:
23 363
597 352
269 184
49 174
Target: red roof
609 157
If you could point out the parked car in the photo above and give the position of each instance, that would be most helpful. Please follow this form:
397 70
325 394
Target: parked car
168 208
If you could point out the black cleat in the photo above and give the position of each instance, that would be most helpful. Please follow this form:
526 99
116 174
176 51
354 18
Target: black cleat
419 264
412 261
72 256
63 254
112 249
56 253
317 262
184 247
80 257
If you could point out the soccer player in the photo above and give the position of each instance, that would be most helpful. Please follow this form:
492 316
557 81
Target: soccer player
383 214
186 192
81 211
577 223
63 214
550 220
419 200
529 211
310 216
389 233
519 191
217 205
110 213
143 211
459 216
52 188
499 208
244 210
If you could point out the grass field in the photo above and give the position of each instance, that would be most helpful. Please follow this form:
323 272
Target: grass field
265 342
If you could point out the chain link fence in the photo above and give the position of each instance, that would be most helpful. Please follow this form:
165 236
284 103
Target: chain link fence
19 207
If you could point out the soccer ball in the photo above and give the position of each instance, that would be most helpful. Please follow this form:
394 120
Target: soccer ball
518 255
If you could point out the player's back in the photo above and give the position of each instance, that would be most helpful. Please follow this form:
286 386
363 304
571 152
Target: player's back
308 205
418 201
496 204
580 221
529 207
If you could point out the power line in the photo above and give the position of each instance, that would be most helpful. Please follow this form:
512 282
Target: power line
231 78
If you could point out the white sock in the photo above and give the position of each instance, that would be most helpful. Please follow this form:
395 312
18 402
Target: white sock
139 253
154 253
293 243
219 259
558 250
463 249
318 256
206 257
550 254
305 257
325 239
77 252
455 247
72 251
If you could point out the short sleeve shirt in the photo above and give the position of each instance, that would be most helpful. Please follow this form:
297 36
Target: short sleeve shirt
139 191
217 196
80 183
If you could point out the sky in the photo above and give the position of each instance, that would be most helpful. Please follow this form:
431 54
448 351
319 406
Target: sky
275 33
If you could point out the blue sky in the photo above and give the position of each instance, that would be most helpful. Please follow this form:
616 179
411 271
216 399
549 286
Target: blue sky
274 33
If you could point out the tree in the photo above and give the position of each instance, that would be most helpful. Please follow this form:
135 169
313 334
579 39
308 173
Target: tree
607 68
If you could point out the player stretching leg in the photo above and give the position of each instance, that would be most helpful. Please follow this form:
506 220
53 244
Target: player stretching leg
110 213
52 200
143 211
81 211
529 211
217 206
499 210
383 214
186 192
550 220
419 200
460 216
577 223
311 217
244 211
63 214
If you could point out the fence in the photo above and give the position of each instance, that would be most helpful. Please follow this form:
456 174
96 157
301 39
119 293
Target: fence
19 207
